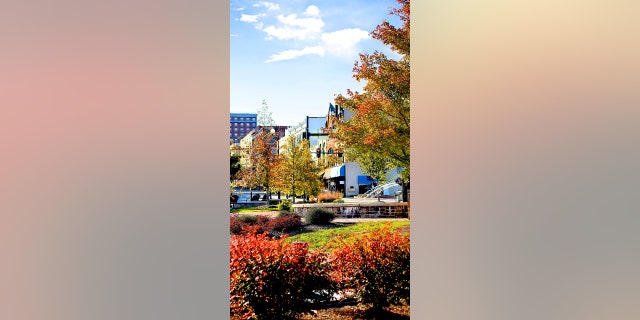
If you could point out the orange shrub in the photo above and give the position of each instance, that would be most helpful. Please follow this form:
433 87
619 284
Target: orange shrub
329 196
271 279
376 266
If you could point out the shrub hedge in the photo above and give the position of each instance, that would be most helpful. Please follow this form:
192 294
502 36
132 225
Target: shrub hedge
287 222
271 279
246 224
329 196
284 205
318 216
377 266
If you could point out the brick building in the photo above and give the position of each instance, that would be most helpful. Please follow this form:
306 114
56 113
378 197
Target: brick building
240 124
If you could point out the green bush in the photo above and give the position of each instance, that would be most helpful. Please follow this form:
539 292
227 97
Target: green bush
318 216
286 214
247 218
284 205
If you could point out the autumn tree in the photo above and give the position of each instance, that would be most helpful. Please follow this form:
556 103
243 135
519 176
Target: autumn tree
379 127
248 178
263 159
297 172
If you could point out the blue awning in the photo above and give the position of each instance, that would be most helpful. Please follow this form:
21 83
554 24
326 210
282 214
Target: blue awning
334 172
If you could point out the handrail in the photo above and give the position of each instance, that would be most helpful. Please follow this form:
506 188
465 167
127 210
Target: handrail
379 189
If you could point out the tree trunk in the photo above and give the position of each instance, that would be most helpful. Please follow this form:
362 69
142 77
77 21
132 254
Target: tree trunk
405 194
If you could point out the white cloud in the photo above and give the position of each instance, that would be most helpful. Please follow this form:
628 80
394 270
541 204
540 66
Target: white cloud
295 28
312 11
269 5
250 17
344 42
234 35
292 54
240 9
341 43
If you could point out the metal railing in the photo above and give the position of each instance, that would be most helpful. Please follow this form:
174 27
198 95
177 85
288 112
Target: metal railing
379 189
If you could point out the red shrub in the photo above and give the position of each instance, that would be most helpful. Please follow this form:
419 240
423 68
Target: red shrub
245 224
376 266
284 223
236 224
271 279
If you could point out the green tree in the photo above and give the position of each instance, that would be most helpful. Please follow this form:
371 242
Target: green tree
380 126
297 172
375 166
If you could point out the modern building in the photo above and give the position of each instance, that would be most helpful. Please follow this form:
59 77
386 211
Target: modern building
240 124
346 178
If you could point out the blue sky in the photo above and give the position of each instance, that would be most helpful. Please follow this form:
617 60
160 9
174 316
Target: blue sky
297 55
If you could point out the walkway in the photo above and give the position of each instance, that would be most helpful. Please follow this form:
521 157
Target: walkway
337 220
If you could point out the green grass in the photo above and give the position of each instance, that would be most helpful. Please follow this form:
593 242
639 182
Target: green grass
254 209
318 240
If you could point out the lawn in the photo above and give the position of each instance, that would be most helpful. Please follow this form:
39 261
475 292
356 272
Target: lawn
255 209
345 233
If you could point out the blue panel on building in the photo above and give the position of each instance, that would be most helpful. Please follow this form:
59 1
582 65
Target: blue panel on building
364 180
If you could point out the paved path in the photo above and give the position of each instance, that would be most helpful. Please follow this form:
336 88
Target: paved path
355 220
337 220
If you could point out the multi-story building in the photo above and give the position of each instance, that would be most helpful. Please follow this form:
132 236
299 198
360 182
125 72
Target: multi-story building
346 177
335 115
311 129
240 124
